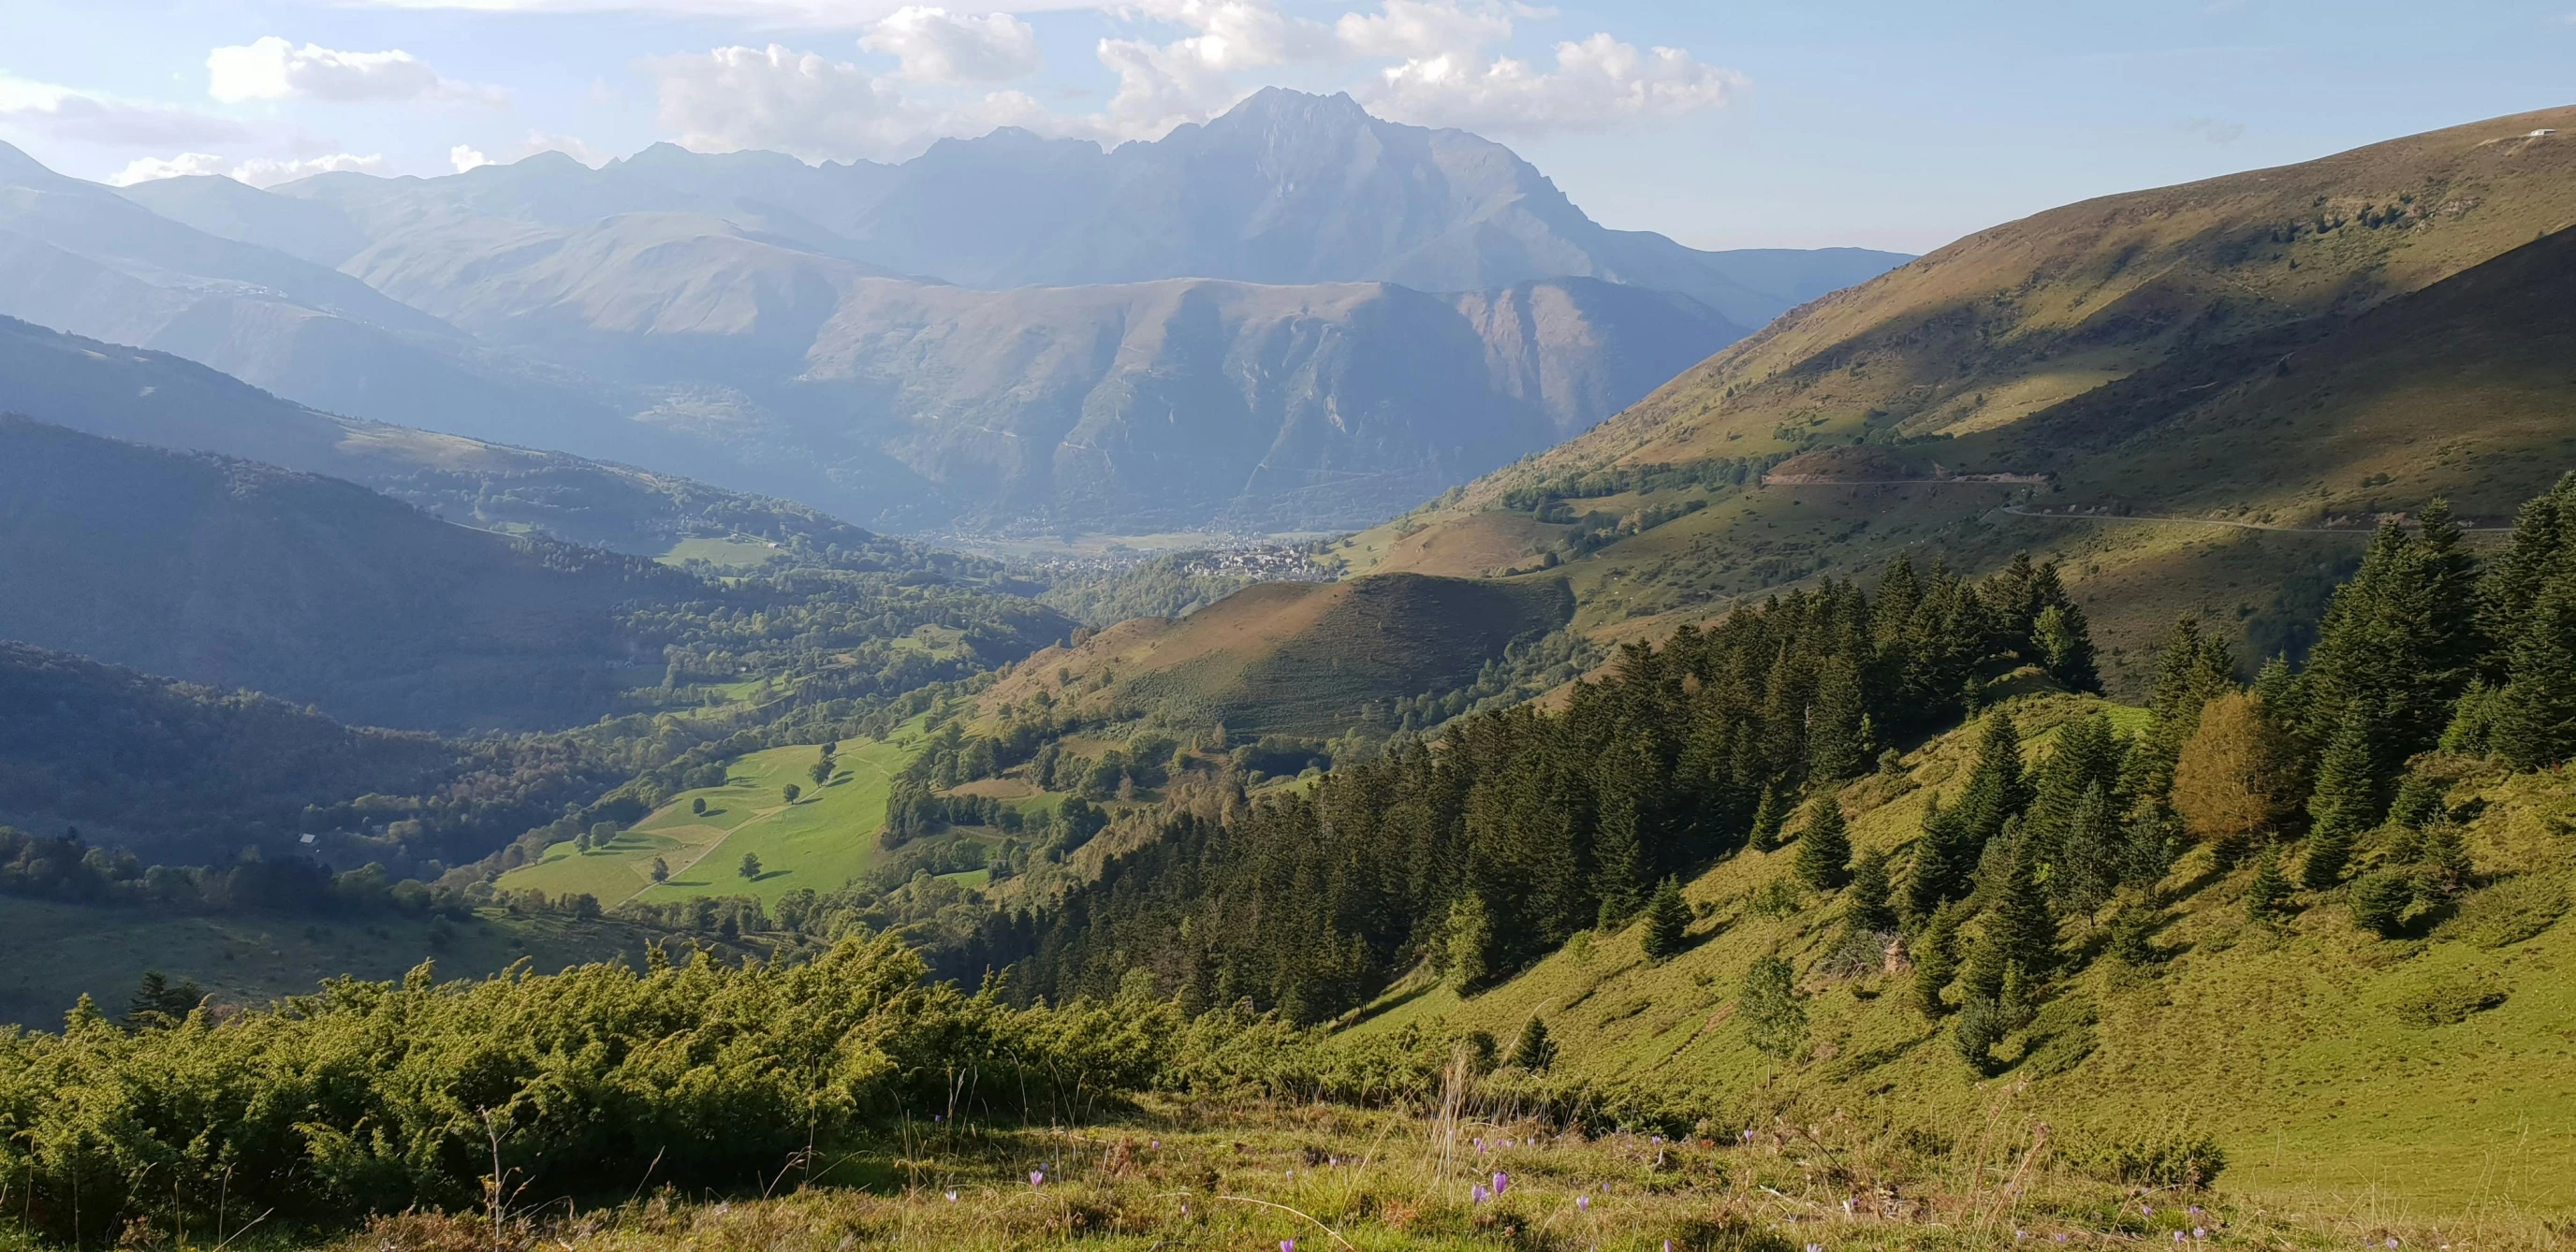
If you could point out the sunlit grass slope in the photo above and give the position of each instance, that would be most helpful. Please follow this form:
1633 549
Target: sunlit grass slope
826 838
2422 1077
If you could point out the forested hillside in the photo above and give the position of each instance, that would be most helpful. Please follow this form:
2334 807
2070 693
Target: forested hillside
162 771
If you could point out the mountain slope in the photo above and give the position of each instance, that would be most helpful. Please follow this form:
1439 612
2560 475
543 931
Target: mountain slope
2326 1061
152 397
236 574
187 775
2204 351
78 256
1289 657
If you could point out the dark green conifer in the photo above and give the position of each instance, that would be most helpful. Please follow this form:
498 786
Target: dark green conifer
1768 818
2092 855
2534 716
1866 907
2347 799
1824 846
1667 922
1534 1050
1936 960
2269 888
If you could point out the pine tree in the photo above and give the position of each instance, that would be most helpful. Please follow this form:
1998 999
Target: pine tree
2092 854
1534 1050
2020 927
1936 960
2442 862
1667 922
2269 888
1837 743
1941 862
2534 716
1824 847
1866 909
1768 818
2347 799
2065 646
1470 943
1775 1017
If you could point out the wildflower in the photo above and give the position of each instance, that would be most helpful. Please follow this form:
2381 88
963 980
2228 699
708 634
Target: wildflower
1583 1204
1037 1178
2061 1236
1501 1180
952 1197
2199 1233
1815 1247
1476 1193
2177 1236
2020 1235
1287 1245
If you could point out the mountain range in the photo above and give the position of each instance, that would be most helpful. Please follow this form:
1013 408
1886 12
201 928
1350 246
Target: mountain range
1005 332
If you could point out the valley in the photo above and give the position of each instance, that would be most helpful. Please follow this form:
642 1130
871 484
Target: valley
1275 681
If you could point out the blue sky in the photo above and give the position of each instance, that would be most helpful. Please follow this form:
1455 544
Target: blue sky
1724 124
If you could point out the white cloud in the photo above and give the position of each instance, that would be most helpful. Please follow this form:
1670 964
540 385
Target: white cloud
270 68
937 46
257 171
1597 82
153 169
92 117
755 14
810 106
1433 62
465 158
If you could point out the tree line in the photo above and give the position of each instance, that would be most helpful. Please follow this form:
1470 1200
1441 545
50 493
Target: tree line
1518 828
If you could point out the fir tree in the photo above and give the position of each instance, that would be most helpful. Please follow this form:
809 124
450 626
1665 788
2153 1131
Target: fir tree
2020 927
1667 922
1936 960
2533 721
1824 847
1534 1050
2347 799
1470 942
1837 742
1775 1016
2092 854
2379 902
2065 646
1768 818
2269 888
1866 908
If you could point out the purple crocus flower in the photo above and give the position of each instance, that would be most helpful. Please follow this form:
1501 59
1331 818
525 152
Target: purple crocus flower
2199 1233
1476 1193
1501 1180
1583 1204
1037 1178
1287 1245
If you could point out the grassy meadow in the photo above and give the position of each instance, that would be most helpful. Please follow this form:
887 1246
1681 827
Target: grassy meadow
824 839
2424 1078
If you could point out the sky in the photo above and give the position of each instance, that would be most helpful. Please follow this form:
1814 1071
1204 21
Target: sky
1899 124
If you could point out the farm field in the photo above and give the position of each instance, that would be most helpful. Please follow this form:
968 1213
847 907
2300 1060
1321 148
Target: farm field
823 840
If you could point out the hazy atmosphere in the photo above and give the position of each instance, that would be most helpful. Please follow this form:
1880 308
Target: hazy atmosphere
801 626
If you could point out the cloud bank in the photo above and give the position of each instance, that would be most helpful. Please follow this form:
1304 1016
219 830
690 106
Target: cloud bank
1429 62
270 68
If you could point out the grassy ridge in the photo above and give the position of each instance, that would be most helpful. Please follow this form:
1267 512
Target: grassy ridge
824 839
2420 1077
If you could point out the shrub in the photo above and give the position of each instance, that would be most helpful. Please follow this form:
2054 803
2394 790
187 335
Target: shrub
2379 902
2163 1157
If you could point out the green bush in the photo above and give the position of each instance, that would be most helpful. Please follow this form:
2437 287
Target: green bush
2163 1157
2380 901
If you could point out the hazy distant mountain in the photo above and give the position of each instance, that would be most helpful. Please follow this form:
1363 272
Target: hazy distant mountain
1286 188
152 397
78 257
1228 325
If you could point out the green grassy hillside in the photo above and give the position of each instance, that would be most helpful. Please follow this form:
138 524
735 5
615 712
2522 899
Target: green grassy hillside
2299 348
2418 1078
1291 657
826 838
